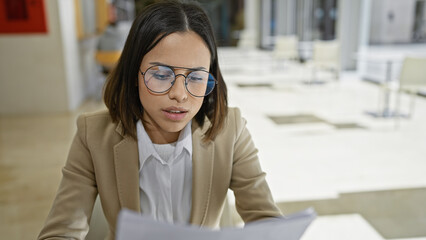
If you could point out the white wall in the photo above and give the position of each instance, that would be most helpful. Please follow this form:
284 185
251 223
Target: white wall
399 29
40 72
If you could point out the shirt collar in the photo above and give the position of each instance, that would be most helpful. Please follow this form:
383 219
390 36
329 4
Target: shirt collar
184 140
146 148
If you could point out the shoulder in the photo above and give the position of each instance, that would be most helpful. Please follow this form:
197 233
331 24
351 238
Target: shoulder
234 123
96 125
233 112
99 117
234 119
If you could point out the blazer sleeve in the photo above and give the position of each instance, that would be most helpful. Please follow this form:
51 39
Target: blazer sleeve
253 197
70 214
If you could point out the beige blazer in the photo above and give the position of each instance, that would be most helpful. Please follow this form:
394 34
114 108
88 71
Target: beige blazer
104 161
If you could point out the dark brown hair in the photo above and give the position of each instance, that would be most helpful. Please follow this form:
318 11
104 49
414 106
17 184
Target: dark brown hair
156 21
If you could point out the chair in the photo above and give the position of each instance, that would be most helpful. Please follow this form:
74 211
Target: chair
411 80
247 40
107 59
286 47
325 56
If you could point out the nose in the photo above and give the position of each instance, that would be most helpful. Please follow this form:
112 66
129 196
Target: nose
178 91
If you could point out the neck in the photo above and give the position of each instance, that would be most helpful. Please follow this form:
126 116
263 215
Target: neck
156 133
158 137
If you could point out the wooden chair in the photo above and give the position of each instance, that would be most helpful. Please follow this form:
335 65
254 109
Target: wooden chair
107 59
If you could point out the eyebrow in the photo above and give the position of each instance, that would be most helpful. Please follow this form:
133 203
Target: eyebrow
163 64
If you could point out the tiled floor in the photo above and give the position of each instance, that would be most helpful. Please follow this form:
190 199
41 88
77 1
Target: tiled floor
343 160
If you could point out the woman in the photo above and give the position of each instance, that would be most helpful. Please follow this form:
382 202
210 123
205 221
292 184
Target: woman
168 146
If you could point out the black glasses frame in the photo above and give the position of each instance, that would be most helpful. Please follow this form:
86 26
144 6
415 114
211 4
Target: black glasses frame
176 75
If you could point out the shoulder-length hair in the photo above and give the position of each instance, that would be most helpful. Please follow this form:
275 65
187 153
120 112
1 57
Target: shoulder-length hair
156 21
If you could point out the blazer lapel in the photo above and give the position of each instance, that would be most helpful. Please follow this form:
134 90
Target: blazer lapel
126 161
202 174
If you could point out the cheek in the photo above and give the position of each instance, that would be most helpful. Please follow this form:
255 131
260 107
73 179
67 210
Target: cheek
197 103
140 90
144 95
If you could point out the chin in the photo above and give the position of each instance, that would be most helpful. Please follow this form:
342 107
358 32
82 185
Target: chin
174 126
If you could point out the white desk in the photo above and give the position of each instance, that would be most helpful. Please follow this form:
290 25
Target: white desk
337 227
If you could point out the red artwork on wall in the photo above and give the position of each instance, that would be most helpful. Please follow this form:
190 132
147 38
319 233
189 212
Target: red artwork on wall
22 16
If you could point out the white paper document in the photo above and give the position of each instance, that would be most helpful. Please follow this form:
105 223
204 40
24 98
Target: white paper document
134 226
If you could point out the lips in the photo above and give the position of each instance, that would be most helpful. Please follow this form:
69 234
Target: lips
175 113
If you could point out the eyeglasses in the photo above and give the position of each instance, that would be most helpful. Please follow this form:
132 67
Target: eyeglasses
160 79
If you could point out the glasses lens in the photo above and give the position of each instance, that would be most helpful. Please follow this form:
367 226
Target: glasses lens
159 78
200 83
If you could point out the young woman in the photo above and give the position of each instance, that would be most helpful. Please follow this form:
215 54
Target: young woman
168 146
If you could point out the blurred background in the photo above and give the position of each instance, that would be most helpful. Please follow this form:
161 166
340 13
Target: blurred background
334 92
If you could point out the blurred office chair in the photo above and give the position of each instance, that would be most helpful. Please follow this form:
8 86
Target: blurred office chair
325 56
411 80
247 40
286 47
107 59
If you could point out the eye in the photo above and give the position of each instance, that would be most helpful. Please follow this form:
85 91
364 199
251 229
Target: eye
197 77
160 73
162 76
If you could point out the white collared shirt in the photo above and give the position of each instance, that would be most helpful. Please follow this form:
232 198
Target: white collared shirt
165 184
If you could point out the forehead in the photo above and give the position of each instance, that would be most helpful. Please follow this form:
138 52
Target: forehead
186 49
